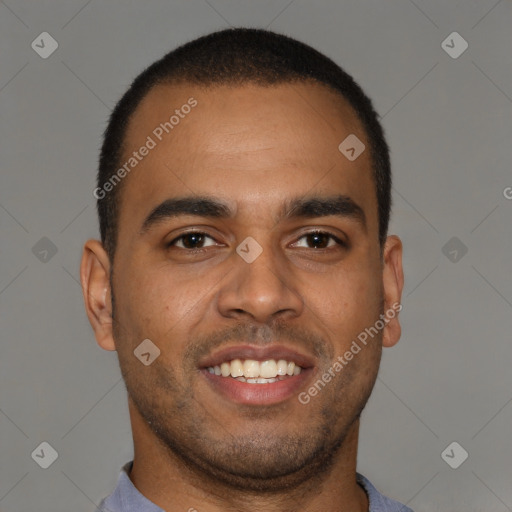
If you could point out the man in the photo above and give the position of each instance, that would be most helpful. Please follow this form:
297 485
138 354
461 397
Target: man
244 277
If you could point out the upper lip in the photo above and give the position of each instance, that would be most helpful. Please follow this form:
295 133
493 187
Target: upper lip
257 353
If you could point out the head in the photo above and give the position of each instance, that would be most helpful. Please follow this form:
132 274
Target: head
243 231
236 57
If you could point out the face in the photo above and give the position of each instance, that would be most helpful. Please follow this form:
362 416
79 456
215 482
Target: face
278 263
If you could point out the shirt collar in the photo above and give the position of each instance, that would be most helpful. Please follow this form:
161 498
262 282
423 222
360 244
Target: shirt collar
377 501
126 497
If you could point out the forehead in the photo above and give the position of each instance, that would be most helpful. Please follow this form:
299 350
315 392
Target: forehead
225 113
253 145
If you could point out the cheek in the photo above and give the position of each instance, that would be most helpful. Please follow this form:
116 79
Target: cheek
347 303
160 304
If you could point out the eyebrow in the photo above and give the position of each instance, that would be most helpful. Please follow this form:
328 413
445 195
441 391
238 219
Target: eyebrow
312 207
300 207
192 205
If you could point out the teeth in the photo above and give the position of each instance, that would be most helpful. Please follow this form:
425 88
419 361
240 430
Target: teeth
282 366
225 369
251 368
237 369
268 369
256 372
261 381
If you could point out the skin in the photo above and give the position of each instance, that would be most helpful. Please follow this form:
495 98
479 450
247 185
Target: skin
253 147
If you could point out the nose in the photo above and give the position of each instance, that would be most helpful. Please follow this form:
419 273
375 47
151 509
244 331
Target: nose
261 289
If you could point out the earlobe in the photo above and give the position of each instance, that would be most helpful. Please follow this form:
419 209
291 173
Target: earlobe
95 279
393 282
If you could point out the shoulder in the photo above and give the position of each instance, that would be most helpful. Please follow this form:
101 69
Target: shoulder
379 502
126 497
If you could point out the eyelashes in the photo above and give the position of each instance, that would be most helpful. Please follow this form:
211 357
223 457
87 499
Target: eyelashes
188 241
192 235
326 235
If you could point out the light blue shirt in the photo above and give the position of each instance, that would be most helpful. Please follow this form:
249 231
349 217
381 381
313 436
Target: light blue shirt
126 498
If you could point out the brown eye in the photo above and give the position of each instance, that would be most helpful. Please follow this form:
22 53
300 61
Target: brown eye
191 241
321 240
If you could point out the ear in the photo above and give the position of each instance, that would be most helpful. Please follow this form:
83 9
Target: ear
393 281
95 279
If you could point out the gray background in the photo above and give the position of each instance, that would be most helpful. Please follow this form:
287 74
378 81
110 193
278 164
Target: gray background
449 126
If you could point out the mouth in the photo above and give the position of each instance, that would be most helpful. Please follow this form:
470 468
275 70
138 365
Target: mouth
256 372
252 375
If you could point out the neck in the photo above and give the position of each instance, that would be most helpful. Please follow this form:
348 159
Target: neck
167 481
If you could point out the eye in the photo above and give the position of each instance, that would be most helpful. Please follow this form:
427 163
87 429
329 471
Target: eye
191 241
320 239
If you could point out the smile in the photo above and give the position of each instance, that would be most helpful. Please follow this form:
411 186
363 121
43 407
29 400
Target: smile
257 375
252 371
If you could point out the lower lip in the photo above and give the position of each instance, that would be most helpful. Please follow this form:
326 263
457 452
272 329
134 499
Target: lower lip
258 394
